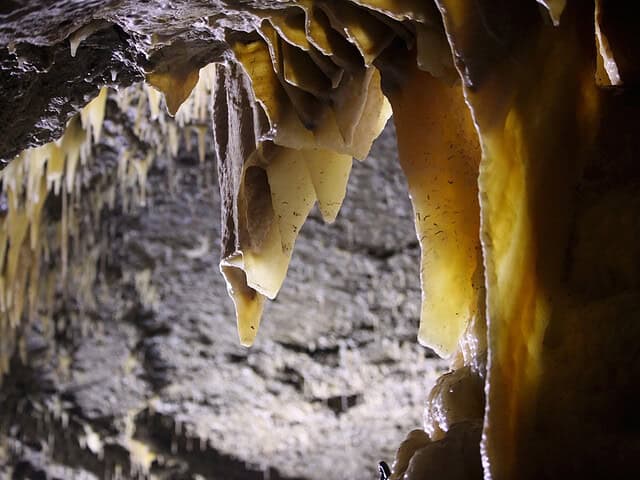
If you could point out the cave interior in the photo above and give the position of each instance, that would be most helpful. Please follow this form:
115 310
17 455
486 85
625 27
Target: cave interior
319 239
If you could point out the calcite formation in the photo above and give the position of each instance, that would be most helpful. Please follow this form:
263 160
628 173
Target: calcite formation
516 133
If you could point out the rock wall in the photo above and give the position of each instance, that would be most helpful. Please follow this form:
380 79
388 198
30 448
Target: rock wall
154 379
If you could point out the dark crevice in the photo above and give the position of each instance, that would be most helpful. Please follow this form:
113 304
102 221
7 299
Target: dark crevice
190 455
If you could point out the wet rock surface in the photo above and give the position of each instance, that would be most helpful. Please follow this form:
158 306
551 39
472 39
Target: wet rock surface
41 87
42 83
154 378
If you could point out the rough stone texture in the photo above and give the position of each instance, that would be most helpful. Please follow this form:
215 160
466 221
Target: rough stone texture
42 85
334 381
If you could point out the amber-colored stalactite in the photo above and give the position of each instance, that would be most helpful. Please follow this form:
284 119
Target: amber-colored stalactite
176 84
532 93
439 153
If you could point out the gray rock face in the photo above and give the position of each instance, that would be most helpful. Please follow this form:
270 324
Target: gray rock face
41 87
42 84
158 380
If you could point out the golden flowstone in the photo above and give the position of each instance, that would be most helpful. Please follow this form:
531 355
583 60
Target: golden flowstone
496 162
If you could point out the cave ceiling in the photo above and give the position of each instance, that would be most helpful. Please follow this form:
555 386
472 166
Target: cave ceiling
517 132
43 84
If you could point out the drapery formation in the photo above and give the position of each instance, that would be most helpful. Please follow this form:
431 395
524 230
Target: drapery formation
516 134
